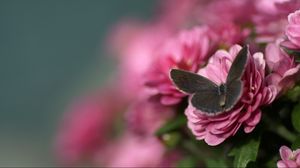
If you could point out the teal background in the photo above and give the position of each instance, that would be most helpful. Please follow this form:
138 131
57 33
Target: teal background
50 52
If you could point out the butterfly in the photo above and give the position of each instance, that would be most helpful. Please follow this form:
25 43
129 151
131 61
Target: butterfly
210 98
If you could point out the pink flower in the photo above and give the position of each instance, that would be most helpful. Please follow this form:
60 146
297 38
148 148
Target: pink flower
284 70
293 28
84 128
135 44
287 6
269 31
232 11
177 13
227 34
145 117
290 159
274 9
188 51
136 151
270 18
215 129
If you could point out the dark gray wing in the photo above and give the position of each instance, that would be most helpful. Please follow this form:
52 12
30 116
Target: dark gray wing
238 66
234 92
190 82
208 101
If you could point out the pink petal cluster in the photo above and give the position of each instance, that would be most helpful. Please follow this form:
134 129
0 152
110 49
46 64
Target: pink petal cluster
136 151
269 31
215 129
138 142
83 129
293 28
177 13
228 33
271 10
232 11
137 57
136 44
289 158
287 6
145 117
189 51
270 18
284 70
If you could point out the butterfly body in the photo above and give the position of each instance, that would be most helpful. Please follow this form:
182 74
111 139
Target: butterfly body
222 93
208 97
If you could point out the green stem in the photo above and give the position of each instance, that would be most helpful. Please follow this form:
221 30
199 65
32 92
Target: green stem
280 130
285 133
192 148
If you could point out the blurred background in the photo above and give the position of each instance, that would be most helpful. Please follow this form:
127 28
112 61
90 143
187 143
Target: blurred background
51 51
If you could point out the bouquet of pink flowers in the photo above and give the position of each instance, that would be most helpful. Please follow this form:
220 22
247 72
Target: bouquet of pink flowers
209 83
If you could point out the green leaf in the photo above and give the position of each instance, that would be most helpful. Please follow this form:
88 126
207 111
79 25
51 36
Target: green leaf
245 152
171 139
187 162
294 94
212 163
171 125
292 52
296 117
296 143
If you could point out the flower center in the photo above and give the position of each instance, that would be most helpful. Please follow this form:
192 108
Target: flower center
292 157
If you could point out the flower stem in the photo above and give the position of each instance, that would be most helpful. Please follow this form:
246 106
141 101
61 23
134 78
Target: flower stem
192 148
280 130
285 133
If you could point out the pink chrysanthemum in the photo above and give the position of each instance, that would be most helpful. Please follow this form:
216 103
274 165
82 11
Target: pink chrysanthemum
293 28
132 150
135 44
188 51
215 129
285 72
84 128
227 34
229 11
145 117
270 18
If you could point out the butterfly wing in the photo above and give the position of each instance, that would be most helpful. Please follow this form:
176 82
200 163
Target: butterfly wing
234 92
189 82
208 101
205 93
238 66
234 85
